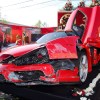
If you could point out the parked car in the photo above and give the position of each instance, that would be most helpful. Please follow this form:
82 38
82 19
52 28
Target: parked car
57 57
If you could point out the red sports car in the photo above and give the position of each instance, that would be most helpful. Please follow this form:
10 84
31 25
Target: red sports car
58 57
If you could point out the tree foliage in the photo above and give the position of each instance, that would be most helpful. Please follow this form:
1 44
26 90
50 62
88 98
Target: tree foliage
40 24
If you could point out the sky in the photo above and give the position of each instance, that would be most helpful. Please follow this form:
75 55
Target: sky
29 12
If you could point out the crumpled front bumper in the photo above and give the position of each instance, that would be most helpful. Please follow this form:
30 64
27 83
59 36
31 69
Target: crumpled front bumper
20 75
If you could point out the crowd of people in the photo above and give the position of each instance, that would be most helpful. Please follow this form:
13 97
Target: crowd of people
20 40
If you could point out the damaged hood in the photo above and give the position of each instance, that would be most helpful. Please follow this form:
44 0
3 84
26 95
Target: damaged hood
21 50
63 48
57 49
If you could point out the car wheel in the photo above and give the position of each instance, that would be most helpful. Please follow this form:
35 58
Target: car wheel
83 67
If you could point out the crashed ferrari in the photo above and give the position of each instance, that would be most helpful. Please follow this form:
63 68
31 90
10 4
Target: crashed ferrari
58 57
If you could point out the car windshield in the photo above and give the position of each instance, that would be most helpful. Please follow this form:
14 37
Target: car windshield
51 36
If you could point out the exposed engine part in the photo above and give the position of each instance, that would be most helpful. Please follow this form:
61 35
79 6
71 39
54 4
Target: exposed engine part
62 64
34 57
29 75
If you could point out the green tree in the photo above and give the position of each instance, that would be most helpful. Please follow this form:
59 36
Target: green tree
4 21
40 24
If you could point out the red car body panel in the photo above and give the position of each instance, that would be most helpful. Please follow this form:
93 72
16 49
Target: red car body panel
61 76
62 48
92 29
12 68
93 16
50 75
23 49
72 75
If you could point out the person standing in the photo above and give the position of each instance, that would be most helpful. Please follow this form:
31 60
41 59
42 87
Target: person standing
18 40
